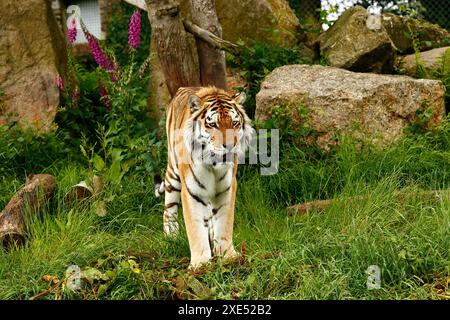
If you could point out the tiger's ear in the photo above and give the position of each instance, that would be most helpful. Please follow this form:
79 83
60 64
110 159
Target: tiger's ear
194 103
240 97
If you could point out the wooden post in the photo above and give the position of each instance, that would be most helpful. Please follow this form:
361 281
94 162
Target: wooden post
177 62
29 199
211 60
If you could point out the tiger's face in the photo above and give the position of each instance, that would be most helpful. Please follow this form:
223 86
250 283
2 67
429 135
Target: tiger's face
220 128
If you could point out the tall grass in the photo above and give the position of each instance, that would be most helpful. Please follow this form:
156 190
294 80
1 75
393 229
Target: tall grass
322 255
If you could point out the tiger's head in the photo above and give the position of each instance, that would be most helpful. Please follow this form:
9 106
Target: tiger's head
218 129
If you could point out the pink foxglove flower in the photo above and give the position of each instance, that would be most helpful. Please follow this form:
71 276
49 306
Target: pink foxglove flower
134 31
59 82
72 31
96 51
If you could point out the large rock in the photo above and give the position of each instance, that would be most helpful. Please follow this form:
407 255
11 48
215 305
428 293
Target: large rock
32 53
337 101
354 44
431 60
401 30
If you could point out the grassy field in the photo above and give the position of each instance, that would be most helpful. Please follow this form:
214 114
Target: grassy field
321 255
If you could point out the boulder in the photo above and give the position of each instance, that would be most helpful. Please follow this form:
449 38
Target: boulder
356 44
333 102
429 35
431 60
32 54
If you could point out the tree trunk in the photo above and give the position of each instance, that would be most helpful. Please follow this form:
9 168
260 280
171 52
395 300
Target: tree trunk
173 49
28 200
211 60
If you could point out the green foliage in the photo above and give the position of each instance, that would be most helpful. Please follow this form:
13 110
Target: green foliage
81 118
443 73
24 151
257 60
421 121
294 124
110 116
421 71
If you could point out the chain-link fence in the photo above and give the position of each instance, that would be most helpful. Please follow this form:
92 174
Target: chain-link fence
435 11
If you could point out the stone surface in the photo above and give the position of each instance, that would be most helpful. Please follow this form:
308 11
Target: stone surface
367 106
256 19
354 44
429 35
32 53
431 59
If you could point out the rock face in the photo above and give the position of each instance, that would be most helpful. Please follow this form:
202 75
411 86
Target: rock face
32 53
255 19
337 101
354 44
399 30
431 59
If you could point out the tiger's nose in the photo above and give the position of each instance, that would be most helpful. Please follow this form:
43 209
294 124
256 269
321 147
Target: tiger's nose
228 146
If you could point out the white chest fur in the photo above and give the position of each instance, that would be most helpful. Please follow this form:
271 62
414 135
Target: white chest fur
209 182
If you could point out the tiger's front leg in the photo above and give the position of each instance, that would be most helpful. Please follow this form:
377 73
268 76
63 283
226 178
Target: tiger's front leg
194 211
223 218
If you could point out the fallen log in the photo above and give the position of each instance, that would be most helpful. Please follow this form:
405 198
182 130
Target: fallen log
321 205
28 200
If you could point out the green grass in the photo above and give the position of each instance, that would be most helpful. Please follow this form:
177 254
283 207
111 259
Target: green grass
321 255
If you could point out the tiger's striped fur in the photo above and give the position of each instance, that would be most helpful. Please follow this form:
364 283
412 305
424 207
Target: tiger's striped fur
207 130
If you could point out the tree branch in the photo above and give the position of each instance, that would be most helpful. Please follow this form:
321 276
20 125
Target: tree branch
213 40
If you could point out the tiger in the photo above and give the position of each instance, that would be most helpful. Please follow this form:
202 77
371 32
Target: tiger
207 131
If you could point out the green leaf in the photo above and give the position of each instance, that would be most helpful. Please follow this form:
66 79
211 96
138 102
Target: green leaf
99 164
83 151
200 289
91 274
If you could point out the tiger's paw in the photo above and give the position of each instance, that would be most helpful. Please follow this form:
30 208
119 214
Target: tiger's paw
171 231
198 262
232 255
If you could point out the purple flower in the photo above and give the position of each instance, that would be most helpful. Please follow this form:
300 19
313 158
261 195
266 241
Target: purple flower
96 51
59 82
134 30
72 31
104 97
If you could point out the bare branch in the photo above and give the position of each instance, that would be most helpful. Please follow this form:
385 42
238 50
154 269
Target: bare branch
215 41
